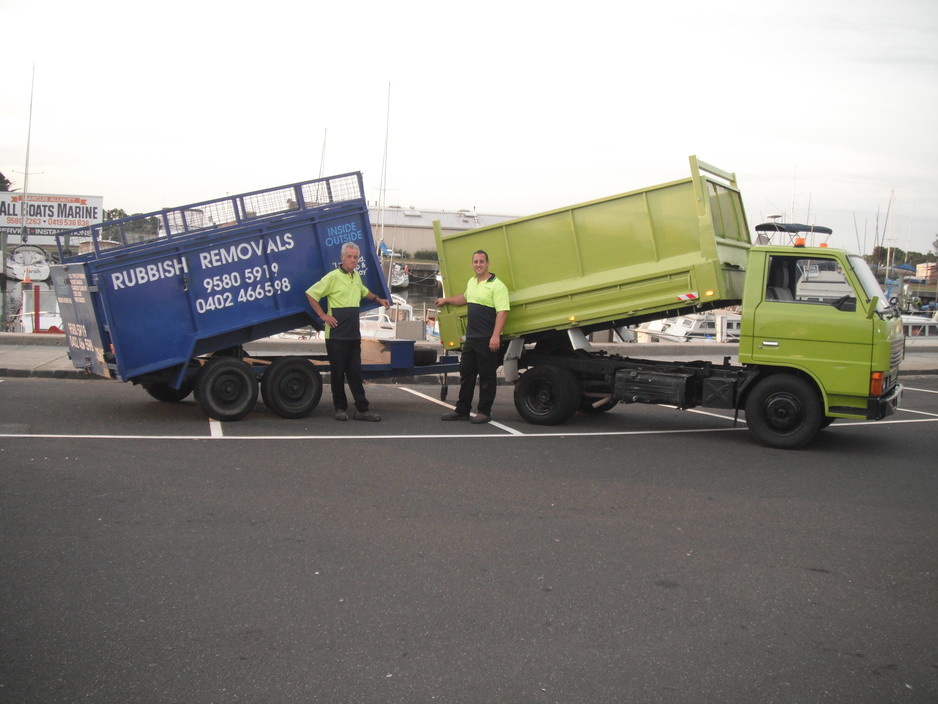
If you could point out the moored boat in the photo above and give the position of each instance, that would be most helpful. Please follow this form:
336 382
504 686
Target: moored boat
712 326
920 329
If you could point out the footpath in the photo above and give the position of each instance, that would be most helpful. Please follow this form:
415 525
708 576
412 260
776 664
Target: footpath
46 355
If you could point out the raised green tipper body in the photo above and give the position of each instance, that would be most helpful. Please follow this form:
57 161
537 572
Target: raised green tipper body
637 256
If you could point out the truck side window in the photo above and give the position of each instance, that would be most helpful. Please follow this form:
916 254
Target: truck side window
780 279
817 281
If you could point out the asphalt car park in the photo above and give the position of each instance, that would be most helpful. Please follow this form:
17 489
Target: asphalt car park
644 554
103 408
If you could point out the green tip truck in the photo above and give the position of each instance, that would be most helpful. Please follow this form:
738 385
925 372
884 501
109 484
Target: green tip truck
808 354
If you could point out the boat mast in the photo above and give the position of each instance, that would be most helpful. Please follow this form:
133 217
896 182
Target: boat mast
23 233
384 177
322 158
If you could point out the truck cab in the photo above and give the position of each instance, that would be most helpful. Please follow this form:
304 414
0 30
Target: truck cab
816 318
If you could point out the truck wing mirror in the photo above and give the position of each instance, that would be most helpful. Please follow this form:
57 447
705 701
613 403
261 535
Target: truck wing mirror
871 307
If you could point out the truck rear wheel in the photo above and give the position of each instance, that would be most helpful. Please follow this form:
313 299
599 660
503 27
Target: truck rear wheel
291 387
226 388
547 395
784 411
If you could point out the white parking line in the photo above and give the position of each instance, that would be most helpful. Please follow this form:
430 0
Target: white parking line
921 413
357 438
441 436
496 424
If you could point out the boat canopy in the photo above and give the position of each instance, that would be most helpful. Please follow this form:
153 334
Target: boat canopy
792 227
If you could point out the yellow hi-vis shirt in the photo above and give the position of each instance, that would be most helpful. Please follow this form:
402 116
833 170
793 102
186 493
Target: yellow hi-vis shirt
484 301
345 292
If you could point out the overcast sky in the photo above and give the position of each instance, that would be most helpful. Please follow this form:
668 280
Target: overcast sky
822 108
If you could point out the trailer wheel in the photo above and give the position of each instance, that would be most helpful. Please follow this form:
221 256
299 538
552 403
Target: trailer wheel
162 391
547 395
784 411
291 387
226 388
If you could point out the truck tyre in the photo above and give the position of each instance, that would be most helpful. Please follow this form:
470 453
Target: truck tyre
291 387
226 388
784 411
547 395
162 391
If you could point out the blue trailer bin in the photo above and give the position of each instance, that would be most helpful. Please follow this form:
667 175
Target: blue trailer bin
143 297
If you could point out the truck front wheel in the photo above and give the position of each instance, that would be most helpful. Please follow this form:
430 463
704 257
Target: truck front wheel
291 387
547 395
784 411
226 388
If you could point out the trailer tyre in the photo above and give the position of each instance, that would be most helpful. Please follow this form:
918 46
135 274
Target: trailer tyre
291 387
784 411
226 389
547 395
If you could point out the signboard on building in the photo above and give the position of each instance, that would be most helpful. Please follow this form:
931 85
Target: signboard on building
46 214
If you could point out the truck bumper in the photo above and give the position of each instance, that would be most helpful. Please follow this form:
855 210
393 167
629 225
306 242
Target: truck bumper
882 406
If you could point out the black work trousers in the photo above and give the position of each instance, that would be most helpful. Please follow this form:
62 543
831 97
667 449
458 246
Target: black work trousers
345 364
477 361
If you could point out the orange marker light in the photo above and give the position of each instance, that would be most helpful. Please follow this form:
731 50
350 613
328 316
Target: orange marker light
876 384
708 293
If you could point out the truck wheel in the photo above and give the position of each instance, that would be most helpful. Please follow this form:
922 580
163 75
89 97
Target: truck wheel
226 388
547 395
784 411
291 387
162 391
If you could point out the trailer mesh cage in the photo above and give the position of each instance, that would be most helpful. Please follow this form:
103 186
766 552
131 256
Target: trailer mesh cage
118 235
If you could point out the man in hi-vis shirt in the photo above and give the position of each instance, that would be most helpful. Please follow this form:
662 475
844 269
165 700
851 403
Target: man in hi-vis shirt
487 298
345 290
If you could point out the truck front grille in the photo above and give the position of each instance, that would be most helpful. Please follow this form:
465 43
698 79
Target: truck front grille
898 353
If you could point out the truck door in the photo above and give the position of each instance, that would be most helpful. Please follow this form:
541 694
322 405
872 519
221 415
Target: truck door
809 319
